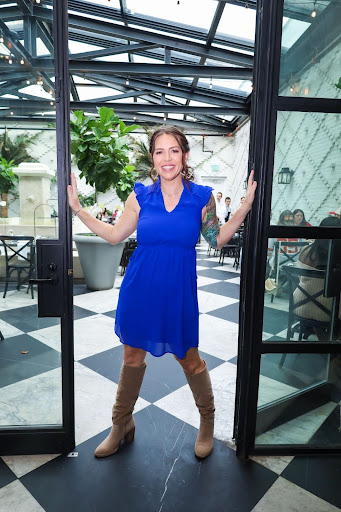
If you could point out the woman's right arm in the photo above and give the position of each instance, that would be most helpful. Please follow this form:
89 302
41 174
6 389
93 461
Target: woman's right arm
124 227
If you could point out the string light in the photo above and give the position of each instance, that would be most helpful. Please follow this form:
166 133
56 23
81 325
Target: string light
1 38
28 82
22 62
43 114
134 118
127 80
10 60
314 13
51 102
40 81
12 113
223 120
165 117
169 83
51 92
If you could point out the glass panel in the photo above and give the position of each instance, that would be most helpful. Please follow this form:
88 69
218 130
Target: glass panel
298 400
310 49
307 167
181 12
30 363
237 21
302 290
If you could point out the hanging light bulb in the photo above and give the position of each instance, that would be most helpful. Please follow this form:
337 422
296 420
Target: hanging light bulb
211 85
127 80
1 38
223 120
22 62
28 82
12 113
43 114
165 117
38 1
10 60
314 13
169 83
51 92
51 102
134 118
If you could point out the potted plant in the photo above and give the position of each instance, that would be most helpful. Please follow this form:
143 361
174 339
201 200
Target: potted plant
8 182
100 149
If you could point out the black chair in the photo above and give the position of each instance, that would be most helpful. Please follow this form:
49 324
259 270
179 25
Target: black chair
19 259
233 248
284 255
129 248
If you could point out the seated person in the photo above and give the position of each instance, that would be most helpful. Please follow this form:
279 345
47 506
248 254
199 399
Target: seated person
314 257
299 218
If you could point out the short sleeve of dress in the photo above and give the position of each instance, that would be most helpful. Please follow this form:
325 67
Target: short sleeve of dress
140 191
202 193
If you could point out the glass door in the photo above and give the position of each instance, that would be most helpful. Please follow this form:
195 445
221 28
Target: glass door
289 382
36 346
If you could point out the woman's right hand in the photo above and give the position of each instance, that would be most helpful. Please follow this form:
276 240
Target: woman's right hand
73 194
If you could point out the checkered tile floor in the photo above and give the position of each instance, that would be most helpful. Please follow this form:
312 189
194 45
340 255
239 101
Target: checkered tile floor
158 472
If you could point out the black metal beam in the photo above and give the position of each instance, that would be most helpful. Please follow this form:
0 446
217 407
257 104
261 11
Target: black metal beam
114 50
126 68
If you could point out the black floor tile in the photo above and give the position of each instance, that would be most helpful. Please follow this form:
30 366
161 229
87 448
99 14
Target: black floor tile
112 314
157 472
217 274
80 289
6 475
275 320
79 313
223 288
15 366
26 318
230 312
208 264
163 374
318 475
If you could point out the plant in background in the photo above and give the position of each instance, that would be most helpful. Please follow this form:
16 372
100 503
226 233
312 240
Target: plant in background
8 181
142 159
86 200
100 148
338 85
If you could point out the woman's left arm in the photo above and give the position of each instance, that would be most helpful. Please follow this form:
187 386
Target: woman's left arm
217 236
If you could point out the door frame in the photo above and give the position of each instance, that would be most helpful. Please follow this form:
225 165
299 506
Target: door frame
43 440
265 104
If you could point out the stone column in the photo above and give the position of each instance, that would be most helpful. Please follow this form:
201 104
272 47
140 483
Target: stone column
34 192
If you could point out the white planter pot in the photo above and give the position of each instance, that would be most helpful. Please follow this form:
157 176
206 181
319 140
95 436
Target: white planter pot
99 260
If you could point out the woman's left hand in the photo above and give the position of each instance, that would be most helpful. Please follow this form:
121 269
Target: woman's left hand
250 191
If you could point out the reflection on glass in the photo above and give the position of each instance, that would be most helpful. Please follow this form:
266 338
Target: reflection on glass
302 290
299 399
30 362
310 55
307 166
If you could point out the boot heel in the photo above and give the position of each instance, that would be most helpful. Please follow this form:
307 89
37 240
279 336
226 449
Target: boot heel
129 437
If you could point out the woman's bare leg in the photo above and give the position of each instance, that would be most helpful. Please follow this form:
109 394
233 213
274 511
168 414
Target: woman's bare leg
133 356
192 362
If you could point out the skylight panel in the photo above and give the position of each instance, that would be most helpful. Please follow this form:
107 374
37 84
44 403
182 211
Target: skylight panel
187 11
238 21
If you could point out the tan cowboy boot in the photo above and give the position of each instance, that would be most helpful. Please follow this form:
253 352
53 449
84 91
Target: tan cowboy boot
201 388
129 385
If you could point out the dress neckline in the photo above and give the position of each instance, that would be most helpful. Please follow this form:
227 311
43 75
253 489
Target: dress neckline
163 201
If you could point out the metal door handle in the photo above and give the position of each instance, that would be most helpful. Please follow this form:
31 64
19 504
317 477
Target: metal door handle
51 280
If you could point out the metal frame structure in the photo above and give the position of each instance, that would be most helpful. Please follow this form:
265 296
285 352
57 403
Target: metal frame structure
267 102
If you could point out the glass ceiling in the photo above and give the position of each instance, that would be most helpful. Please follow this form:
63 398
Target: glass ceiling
167 57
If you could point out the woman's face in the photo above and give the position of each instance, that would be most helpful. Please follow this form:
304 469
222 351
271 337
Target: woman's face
167 157
298 218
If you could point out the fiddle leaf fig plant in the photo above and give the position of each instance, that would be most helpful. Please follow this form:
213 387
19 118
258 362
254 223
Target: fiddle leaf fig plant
100 146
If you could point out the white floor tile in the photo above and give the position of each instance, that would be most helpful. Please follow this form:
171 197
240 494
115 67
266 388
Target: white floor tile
235 280
211 301
33 401
100 302
203 281
50 336
284 496
93 335
271 390
180 403
23 464
299 430
276 463
9 330
15 497
17 299
94 398
218 337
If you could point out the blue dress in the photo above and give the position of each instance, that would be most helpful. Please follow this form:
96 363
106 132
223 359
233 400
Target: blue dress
158 306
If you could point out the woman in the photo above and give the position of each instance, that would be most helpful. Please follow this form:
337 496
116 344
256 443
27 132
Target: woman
299 218
286 218
312 257
157 309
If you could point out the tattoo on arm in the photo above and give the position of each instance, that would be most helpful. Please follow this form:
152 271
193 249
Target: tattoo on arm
210 227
